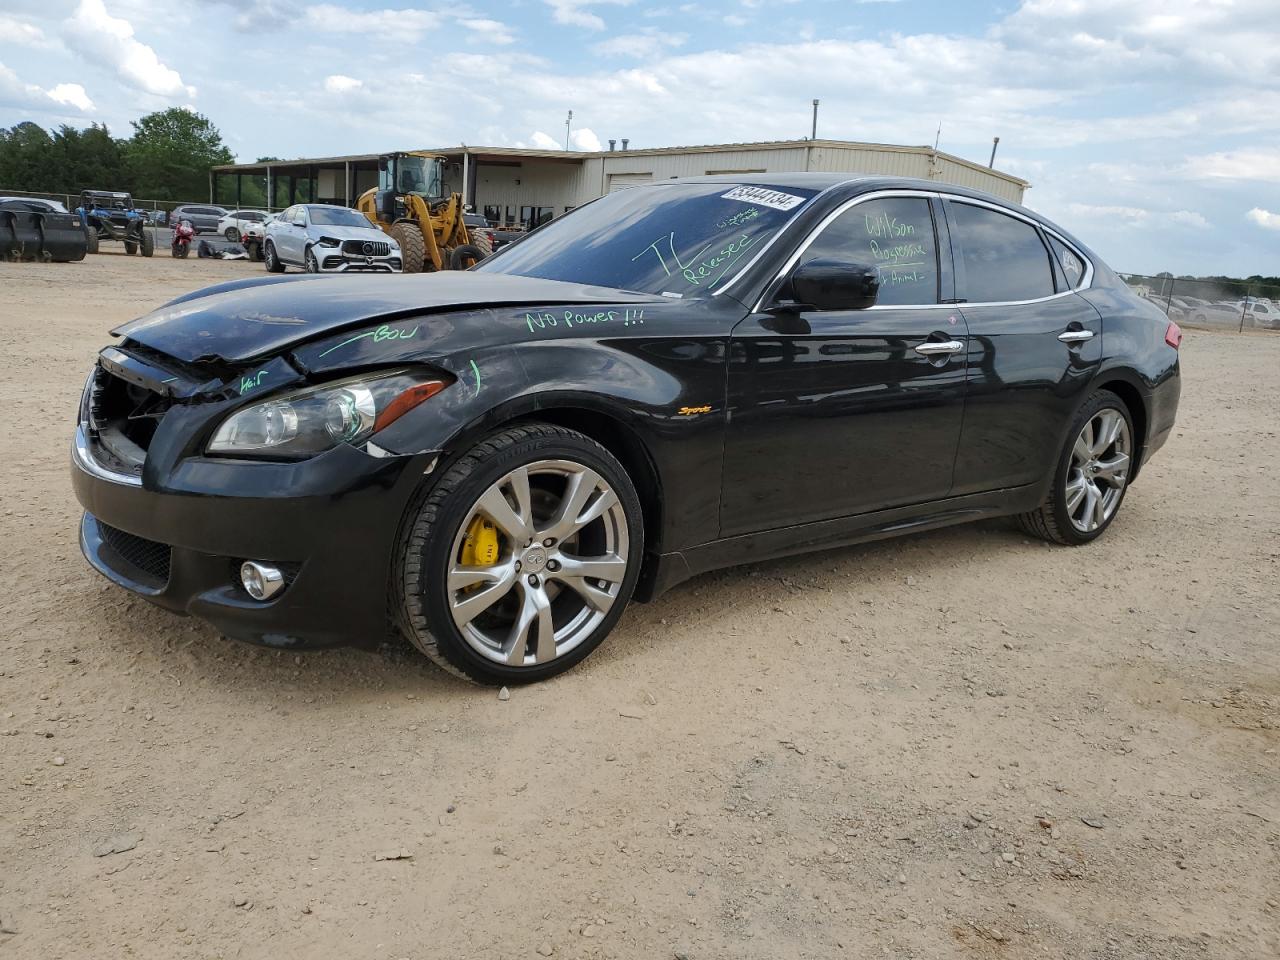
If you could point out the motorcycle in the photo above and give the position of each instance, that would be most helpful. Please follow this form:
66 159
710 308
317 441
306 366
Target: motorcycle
183 234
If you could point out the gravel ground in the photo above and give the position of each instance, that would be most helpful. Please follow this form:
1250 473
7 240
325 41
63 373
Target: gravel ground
959 744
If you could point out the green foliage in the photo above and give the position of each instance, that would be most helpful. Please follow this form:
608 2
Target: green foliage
167 158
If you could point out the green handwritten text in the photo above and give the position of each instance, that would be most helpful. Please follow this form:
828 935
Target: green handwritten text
251 381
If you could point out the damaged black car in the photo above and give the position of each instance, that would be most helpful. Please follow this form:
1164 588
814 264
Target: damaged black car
671 379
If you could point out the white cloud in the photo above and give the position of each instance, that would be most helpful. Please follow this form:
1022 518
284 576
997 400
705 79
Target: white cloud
577 13
489 31
641 46
109 42
1189 218
585 139
22 33
1264 218
1129 215
73 95
29 96
543 141
1236 165
337 83
331 18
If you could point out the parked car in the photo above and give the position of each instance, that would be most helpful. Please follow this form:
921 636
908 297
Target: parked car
1210 312
235 223
671 379
205 218
1258 313
322 238
36 204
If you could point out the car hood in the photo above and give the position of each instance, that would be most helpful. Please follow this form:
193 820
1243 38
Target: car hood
245 319
339 232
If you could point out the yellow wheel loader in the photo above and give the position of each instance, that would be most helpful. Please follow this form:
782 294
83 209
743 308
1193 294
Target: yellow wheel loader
410 204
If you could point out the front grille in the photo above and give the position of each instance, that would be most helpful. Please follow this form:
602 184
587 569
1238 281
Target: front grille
135 411
148 560
366 248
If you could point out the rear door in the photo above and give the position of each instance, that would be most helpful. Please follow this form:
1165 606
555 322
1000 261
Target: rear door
1034 344
842 412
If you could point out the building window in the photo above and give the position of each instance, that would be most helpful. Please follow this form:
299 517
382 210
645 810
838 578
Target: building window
493 213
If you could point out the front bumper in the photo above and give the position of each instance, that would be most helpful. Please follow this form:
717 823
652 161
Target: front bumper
346 263
331 523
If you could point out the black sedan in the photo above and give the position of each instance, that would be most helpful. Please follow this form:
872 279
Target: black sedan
671 379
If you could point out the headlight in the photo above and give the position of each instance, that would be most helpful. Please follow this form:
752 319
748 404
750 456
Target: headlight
329 241
294 426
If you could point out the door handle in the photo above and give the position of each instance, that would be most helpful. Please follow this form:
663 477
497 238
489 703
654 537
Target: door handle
1075 336
932 348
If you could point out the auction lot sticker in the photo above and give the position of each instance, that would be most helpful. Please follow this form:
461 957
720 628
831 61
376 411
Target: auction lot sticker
766 198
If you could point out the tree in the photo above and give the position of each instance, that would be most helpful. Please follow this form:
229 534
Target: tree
170 153
24 155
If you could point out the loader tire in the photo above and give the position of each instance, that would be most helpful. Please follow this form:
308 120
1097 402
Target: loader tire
481 240
459 256
413 251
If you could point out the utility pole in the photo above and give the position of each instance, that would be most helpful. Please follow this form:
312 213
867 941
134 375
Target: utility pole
813 134
567 122
994 143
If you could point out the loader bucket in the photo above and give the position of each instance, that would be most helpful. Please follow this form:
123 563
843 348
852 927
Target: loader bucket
63 238
19 234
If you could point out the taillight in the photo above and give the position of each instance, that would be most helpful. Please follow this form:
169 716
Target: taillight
1173 335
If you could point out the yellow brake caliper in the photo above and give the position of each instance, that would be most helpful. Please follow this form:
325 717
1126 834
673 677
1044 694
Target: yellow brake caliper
480 548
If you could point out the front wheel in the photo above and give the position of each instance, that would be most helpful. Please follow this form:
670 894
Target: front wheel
310 261
271 259
147 245
520 559
1091 476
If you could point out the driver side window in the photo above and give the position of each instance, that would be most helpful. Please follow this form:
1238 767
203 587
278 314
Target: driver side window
895 236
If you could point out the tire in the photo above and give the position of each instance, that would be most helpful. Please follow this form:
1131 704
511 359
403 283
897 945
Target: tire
427 604
131 247
173 251
255 252
310 262
460 254
482 241
231 235
91 240
1090 464
148 247
413 249
271 258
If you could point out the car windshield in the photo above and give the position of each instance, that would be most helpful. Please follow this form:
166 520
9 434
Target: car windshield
677 239
338 217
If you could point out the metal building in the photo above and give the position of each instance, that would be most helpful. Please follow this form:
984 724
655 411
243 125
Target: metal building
528 187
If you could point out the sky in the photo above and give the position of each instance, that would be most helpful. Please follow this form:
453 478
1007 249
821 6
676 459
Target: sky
1149 128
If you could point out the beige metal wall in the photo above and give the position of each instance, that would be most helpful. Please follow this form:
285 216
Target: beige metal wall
544 183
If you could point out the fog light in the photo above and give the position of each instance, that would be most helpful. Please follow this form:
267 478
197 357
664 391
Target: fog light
261 581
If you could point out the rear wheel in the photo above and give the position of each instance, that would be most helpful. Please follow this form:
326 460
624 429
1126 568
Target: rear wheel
231 234
131 247
413 250
481 240
91 240
1091 477
521 558
255 251
271 258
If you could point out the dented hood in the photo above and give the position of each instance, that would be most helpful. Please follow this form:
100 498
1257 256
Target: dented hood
246 319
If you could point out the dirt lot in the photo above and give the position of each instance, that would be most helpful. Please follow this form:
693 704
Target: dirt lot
961 744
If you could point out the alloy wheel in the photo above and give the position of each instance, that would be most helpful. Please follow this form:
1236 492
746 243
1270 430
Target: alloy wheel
1099 470
560 560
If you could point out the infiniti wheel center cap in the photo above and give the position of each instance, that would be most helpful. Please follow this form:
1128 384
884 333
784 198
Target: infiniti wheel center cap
535 558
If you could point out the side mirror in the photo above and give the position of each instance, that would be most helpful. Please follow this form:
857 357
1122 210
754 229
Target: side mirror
835 285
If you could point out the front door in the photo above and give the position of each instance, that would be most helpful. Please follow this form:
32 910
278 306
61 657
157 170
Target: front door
837 413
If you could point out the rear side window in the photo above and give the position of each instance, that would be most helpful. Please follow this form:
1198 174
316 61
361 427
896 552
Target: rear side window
1001 258
1071 264
894 235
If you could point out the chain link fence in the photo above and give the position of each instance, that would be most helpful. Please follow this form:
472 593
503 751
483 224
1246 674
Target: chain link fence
1217 304
157 210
